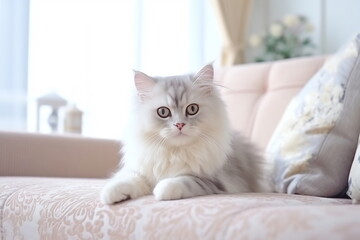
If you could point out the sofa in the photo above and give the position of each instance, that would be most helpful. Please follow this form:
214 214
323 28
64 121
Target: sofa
50 184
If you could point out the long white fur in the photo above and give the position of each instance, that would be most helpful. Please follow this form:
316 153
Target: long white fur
207 158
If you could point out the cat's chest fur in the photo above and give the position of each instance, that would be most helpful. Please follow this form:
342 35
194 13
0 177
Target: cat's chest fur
157 163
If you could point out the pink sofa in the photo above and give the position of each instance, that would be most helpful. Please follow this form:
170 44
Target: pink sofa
49 184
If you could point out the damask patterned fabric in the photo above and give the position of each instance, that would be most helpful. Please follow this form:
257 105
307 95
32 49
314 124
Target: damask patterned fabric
60 208
315 142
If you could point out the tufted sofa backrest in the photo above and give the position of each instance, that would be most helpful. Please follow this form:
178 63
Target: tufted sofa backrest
257 94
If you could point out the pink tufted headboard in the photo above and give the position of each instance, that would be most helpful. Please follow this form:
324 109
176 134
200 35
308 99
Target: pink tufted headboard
257 94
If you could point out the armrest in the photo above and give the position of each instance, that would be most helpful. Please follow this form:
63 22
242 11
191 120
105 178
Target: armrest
31 154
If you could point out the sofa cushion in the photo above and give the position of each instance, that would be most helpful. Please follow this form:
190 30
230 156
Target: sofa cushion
257 94
59 208
354 177
314 143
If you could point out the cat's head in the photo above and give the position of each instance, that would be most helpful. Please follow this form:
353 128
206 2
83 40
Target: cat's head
180 110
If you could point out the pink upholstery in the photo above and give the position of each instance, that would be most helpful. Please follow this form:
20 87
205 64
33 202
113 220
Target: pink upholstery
69 208
257 94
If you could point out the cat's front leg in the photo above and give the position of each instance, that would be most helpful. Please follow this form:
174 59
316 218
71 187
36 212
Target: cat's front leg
186 186
123 186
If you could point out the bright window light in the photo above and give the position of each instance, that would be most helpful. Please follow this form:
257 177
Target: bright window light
85 51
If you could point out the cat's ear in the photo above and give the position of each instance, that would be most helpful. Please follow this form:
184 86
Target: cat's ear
143 83
205 78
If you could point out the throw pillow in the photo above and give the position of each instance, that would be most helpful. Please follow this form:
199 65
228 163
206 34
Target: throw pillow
354 178
315 141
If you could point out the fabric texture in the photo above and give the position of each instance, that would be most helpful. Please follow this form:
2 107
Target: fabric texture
354 177
50 208
314 143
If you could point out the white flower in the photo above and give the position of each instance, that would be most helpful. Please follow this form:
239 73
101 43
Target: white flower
276 30
255 40
291 20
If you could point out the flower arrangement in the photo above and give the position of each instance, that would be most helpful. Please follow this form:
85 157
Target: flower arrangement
284 39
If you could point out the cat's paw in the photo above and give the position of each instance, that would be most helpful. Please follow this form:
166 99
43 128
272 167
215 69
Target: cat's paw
116 191
169 189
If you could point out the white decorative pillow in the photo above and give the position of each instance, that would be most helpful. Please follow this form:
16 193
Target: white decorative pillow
314 144
354 178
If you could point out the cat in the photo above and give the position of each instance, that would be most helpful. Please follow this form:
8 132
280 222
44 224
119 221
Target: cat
180 144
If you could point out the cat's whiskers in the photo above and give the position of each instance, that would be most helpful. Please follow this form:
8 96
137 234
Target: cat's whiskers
155 139
151 138
209 139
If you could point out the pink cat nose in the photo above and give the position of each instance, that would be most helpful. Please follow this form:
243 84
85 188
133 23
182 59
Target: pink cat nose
179 125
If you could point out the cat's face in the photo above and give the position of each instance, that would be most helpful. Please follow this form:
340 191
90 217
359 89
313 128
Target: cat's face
179 110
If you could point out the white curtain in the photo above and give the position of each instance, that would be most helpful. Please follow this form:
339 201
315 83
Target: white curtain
177 36
233 20
87 56
14 19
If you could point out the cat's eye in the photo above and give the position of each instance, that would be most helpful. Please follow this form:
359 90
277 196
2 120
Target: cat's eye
163 112
192 109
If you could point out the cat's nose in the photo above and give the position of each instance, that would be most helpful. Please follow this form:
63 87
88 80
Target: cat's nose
179 125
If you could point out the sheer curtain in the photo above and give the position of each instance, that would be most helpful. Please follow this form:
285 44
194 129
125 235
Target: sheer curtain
85 51
177 36
14 18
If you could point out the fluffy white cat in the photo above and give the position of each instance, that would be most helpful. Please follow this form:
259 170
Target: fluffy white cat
180 144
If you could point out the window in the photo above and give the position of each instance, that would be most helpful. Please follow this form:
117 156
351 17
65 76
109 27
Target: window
14 17
85 51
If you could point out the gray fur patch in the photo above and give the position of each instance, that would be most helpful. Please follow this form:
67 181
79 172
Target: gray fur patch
176 88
